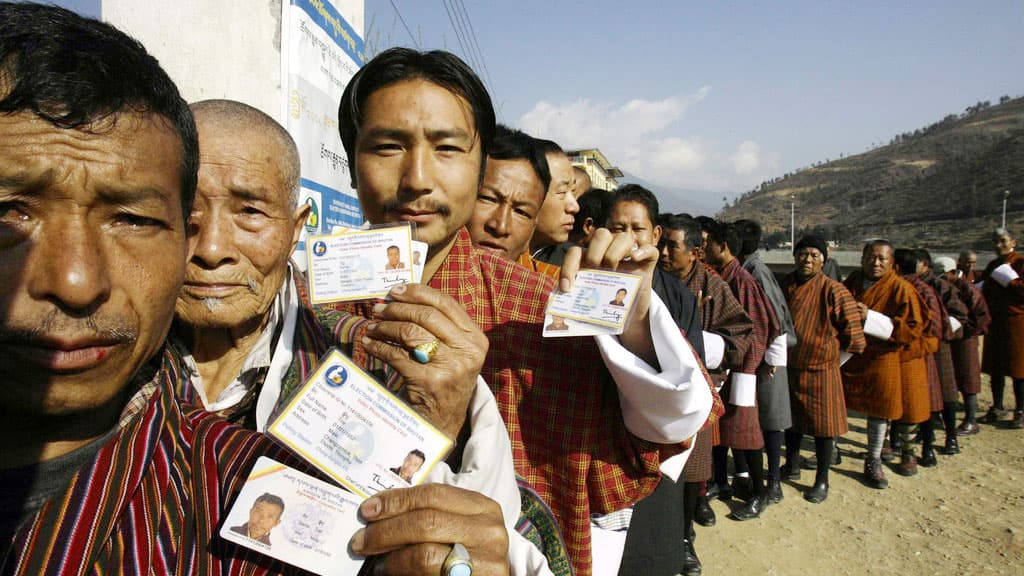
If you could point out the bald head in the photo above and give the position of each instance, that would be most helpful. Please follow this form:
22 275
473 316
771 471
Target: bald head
232 117
583 183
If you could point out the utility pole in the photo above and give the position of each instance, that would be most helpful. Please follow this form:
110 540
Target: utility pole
792 219
1006 196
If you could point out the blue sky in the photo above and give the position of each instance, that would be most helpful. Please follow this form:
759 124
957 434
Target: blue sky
718 96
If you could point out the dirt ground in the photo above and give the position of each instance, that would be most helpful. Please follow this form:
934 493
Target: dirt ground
964 516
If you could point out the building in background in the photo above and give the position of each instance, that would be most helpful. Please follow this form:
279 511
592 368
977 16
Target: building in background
602 173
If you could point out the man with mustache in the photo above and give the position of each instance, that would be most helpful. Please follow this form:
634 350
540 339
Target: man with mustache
103 470
417 128
248 331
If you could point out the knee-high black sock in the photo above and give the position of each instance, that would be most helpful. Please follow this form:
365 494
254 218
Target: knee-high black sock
739 465
998 384
949 418
793 441
928 431
720 465
755 466
691 492
823 447
971 408
1018 394
773 450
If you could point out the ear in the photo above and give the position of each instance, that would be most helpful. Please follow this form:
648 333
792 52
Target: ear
657 234
299 220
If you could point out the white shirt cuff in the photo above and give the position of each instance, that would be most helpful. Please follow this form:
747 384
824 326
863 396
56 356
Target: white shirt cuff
878 325
665 407
1004 274
487 468
673 466
844 357
955 324
714 350
776 354
743 390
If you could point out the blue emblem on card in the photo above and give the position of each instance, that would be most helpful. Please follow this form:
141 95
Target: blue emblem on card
335 376
319 248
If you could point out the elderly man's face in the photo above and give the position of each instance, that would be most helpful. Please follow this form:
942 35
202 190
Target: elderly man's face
242 230
676 257
1004 244
809 261
263 517
92 254
418 159
876 261
506 207
556 217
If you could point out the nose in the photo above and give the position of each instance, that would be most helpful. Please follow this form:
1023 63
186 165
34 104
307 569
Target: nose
418 170
210 239
499 222
72 267
571 205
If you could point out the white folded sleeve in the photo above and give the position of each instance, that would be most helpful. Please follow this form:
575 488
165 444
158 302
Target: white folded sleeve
714 350
743 389
878 325
666 407
673 466
777 352
487 468
955 324
1004 274
844 357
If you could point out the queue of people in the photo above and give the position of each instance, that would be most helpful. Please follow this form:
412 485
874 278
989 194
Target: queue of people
153 325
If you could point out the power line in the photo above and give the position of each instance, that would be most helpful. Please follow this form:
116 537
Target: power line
472 31
458 31
404 25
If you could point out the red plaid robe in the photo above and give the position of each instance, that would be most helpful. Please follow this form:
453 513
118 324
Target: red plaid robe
557 399
936 314
740 426
1004 346
966 359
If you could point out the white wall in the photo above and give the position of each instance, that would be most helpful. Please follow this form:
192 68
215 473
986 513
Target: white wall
217 48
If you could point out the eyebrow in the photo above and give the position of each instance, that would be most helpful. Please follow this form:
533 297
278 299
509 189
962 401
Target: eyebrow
432 135
36 184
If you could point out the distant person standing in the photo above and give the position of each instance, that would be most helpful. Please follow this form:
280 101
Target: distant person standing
827 322
1004 346
967 265
966 361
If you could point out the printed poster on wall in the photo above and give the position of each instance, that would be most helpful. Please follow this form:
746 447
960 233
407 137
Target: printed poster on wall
320 52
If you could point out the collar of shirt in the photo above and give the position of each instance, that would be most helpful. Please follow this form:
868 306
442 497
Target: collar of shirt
257 361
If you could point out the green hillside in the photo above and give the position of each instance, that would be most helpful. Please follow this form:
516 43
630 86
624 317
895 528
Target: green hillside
940 186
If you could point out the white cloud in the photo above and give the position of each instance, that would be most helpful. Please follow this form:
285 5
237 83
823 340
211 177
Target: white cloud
645 138
748 158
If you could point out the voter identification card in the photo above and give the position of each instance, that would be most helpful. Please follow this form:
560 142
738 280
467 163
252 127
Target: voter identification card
295 518
599 303
357 432
360 264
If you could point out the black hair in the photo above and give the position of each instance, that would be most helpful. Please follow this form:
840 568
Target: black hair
269 498
398 64
512 144
876 243
924 256
78 73
639 194
685 224
549 146
595 205
906 260
706 222
419 453
750 232
725 233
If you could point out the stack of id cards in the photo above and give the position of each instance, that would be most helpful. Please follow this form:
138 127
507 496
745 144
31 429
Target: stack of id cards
599 303
356 432
363 264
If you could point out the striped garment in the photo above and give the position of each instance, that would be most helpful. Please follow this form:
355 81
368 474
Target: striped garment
826 321
152 499
966 358
557 399
540 266
721 314
740 427
936 312
1004 347
874 380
